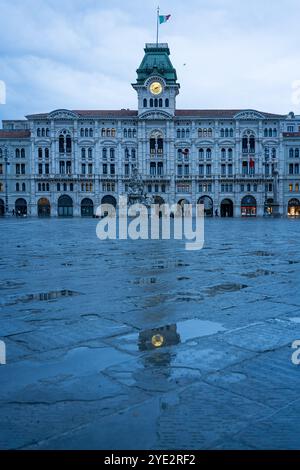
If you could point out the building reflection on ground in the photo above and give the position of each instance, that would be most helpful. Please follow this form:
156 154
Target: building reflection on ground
156 338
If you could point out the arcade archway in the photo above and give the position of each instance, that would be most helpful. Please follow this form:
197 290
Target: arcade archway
248 206
87 207
21 206
208 205
226 208
65 206
44 208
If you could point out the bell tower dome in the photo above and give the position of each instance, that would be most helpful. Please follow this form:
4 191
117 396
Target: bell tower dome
156 83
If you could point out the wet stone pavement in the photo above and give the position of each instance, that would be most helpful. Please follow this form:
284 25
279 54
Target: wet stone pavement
142 344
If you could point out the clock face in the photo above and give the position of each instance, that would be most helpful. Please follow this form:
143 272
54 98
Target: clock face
156 88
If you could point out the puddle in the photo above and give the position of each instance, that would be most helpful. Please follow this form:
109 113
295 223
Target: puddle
257 273
190 329
44 296
223 288
169 335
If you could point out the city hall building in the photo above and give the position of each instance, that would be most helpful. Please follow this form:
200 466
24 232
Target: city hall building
67 162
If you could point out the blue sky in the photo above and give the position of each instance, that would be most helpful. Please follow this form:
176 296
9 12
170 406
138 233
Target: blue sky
82 54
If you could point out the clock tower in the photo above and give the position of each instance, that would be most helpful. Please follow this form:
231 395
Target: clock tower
156 83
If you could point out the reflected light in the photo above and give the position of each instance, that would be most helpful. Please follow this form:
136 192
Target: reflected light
157 341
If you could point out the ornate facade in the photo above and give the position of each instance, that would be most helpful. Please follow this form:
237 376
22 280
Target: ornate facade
65 163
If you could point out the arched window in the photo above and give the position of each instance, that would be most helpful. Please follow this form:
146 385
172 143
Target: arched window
270 133
230 154
133 153
23 187
209 132
17 187
297 153
222 132
65 186
274 132
46 152
126 153
17 153
204 132
39 187
182 133
61 141
68 144
167 102
113 132
226 132
273 153
90 152
82 132
252 143
83 153
104 153
201 154
129 133
22 153
231 133
102 132
208 154
47 132
178 133
48 186
125 133
223 154
43 132
112 153
266 133
151 102
267 153
58 186
71 186
38 132
291 153
86 132
91 132
160 102
155 103
134 133
43 187
187 133
145 103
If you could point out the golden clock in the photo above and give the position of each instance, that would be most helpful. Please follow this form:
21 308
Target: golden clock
156 88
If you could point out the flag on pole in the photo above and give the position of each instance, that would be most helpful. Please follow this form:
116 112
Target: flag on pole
163 18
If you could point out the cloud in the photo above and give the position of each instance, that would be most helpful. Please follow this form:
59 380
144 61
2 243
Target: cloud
84 53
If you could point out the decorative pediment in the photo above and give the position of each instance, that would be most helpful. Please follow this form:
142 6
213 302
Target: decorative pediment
62 114
249 114
155 115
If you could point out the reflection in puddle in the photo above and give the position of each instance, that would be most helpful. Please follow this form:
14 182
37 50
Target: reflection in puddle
170 335
222 288
158 337
44 296
257 273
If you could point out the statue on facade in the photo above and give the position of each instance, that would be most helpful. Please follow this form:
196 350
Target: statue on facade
136 190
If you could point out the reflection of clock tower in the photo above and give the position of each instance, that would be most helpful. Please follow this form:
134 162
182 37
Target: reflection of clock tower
156 83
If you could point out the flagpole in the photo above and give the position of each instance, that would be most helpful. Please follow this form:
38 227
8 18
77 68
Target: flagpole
157 26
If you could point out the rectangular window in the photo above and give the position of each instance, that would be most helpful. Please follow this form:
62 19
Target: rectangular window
223 170
201 170
297 187
230 170
153 169
112 168
23 168
47 168
208 170
104 168
83 169
90 168
149 188
17 168
40 168
126 168
160 168
290 188
242 188
186 170
291 169
179 170
62 167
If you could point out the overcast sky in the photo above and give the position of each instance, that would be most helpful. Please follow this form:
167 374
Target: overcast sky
83 54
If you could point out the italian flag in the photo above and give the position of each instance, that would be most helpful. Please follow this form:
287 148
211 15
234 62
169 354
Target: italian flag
163 18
